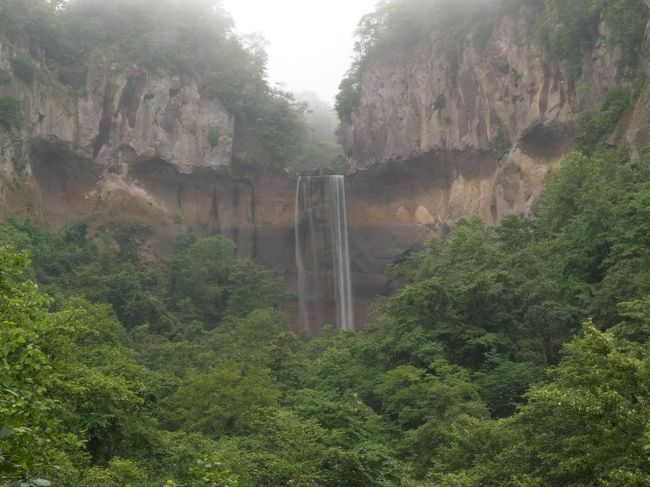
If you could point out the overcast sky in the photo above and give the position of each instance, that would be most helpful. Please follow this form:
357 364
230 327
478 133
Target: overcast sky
311 41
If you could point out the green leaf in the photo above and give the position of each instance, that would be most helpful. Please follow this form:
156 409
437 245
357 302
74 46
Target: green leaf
5 432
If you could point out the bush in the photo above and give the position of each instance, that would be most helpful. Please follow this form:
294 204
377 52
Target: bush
349 95
502 143
214 137
571 28
599 124
4 77
20 161
9 112
24 67
440 103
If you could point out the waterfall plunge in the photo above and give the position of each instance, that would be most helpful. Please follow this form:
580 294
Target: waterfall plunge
323 252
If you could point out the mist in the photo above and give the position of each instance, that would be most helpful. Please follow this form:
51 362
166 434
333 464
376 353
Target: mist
310 42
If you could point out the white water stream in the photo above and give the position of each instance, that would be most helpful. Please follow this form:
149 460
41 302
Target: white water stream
323 251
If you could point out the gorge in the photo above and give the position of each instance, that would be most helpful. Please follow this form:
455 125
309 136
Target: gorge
441 131
200 288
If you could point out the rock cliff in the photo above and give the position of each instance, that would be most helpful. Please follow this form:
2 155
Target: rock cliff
482 123
476 127
442 132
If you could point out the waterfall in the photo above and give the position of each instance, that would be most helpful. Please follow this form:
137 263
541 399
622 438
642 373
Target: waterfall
323 253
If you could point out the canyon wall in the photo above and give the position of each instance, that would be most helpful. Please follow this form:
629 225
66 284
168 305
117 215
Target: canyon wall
441 133
448 109
132 146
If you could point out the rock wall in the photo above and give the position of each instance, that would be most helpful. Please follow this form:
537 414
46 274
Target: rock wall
432 119
128 145
436 105
135 146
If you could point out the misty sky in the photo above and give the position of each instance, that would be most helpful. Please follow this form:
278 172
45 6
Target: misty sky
311 41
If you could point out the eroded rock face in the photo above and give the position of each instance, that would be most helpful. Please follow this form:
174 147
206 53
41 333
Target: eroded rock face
83 152
133 146
425 141
434 100
131 115
137 147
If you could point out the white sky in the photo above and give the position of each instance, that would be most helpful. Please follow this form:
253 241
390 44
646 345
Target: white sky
310 41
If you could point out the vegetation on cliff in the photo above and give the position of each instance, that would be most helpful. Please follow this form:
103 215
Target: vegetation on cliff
165 37
568 31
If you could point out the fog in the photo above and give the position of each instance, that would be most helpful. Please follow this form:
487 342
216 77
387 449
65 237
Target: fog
310 42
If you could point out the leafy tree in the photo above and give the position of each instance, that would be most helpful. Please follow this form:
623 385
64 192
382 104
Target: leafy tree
28 431
225 399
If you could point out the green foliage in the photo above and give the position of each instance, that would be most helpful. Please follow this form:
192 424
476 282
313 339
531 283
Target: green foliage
321 153
20 162
121 369
626 21
587 446
24 67
223 400
5 78
10 116
502 143
118 473
206 282
272 114
598 124
24 409
105 267
349 95
212 473
477 372
440 103
32 24
280 124
571 29
195 38
214 137
158 35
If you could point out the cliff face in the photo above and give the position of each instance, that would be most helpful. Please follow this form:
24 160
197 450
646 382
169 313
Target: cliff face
477 127
443 131
482 122
143 148
120 120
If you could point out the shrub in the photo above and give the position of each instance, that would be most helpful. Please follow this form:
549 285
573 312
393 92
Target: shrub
502 143
349 96
214 137
571 29
440 103
4 77
24 67
599 124
9 112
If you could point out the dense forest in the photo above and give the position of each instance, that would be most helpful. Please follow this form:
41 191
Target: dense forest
515 355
